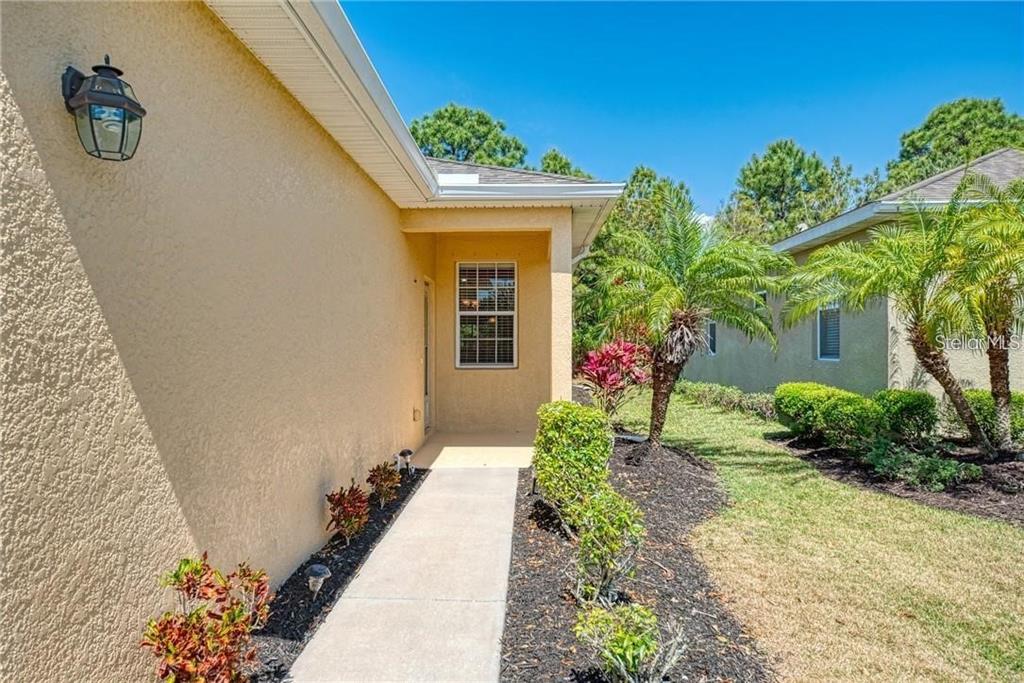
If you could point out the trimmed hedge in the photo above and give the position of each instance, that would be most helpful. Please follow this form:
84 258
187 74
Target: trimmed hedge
984 407
571 452
729 398
796 404
840 418
847 420
908 415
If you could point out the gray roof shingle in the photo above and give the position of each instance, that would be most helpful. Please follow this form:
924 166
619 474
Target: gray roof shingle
1000 166
498 175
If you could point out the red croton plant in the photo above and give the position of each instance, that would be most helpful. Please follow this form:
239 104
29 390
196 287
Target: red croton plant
350 511
614 370
385 480
208 639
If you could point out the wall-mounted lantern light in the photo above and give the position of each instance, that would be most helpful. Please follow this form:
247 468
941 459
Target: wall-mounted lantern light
107 113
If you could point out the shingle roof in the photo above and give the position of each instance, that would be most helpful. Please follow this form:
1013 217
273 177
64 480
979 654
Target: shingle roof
498 175
1000 166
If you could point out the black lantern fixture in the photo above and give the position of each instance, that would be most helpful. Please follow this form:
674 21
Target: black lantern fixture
107 113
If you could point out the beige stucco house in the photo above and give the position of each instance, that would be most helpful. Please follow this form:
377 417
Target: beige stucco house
864 351
277 292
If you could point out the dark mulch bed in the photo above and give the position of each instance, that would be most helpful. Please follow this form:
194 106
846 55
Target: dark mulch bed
999 494
294 617
675 494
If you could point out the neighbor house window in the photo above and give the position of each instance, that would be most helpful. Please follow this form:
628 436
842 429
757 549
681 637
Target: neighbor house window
486 320
828 332
712 337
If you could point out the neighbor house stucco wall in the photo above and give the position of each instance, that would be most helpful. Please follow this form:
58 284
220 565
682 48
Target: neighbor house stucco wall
969 365
753 366
506 399
197 343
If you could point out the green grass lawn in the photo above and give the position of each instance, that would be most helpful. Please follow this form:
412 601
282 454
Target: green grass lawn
840 583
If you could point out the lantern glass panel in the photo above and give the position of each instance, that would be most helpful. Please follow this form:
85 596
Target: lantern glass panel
84 125
132 133
108 127
128 91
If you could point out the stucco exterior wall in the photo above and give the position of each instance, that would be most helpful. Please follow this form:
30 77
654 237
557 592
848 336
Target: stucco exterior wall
969 366
495 400
197 344
753 366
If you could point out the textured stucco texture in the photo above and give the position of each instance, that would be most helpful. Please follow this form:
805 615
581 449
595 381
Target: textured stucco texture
200 342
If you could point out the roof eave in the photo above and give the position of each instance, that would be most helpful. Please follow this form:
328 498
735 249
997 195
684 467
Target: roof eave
841 225
529 191
401 142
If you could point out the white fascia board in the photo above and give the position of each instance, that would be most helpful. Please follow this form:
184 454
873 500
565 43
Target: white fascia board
405 149
373 96
511 192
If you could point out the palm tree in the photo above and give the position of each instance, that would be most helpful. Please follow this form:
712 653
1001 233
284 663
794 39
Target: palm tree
673 277
988 278
907 261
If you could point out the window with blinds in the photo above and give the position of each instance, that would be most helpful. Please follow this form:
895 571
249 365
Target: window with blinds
828 332
712 337
486 315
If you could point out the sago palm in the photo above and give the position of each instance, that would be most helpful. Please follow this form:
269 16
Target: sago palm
908 262
670 279
988 278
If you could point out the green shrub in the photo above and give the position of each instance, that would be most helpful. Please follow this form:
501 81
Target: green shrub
796 405
847 420
759 404
907 414
984 407
571 452
624 638
627 642
729 398
920 470
610 531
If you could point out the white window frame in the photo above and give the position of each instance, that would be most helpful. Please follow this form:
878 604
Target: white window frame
459 365
712 351
817 339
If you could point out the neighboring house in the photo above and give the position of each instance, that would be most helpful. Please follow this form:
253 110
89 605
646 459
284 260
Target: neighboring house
277 292
864 351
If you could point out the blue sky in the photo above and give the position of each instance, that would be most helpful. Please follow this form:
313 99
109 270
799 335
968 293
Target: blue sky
694 89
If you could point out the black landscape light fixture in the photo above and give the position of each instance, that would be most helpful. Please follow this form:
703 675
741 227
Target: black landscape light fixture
107 113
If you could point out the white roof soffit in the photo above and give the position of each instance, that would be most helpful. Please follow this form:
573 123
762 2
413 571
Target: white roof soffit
312 49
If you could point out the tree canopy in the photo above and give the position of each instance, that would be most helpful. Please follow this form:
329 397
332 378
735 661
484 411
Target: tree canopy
554 161
952 134
786 187
464 134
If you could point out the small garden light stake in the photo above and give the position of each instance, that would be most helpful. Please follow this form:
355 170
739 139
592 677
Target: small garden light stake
317 574
404 459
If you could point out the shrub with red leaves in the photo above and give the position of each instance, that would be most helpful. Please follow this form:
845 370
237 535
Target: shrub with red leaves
350 511
208 639
385 480
613 371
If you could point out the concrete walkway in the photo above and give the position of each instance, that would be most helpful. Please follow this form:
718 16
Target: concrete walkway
429 604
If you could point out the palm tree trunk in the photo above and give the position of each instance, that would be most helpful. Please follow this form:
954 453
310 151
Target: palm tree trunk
936 364
998 352
665 374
